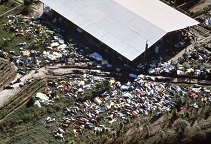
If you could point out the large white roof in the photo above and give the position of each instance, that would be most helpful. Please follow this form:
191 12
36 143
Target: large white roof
123 25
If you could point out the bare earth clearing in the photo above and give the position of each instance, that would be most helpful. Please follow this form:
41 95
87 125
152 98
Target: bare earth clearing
6 95
200 6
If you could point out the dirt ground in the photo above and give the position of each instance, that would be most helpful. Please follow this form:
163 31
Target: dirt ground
6 95
38 9
189 47
200 5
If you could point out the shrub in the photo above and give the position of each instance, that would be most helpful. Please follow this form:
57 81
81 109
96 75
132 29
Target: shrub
26 10
102 87
98 90
30 102
184 124
50 110
27 2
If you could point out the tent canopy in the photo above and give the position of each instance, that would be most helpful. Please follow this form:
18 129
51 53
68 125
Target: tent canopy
123 25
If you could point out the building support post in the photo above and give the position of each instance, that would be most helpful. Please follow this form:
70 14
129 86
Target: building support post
146 47
43 7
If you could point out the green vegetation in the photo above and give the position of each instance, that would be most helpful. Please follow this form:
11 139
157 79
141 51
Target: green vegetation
98 90
24 125
188 125
8 37
184 129
8 40
27 2
7 5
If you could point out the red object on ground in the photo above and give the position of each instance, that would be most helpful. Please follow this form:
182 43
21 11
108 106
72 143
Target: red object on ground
193 94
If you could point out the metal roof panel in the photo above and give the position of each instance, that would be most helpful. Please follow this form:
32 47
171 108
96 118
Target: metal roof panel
123 25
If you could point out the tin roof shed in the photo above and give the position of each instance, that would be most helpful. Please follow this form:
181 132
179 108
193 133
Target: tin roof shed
123 25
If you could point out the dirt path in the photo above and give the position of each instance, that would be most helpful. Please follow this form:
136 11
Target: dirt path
6 95
21 98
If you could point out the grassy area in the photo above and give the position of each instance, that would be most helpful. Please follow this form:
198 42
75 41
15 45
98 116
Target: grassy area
8 40
7 6
25 125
